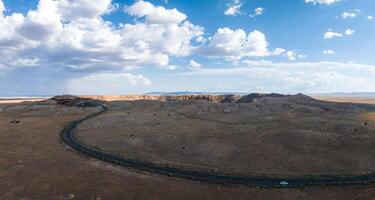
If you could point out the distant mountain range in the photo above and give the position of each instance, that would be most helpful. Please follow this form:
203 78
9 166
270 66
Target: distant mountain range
178 93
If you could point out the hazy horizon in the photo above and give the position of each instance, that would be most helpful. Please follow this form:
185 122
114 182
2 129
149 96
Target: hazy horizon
158 93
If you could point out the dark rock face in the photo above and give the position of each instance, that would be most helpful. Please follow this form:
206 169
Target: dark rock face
71 100
253 96
68 100
211 98
231 98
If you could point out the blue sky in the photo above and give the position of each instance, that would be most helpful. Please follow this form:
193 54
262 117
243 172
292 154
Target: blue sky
116 47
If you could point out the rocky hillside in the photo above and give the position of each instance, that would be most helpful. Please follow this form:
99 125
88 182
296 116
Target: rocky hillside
230 98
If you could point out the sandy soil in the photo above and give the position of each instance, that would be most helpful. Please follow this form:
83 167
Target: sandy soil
34 164
19 100
283 137
364 100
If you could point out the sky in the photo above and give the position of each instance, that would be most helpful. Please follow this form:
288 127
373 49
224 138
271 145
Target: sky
50 47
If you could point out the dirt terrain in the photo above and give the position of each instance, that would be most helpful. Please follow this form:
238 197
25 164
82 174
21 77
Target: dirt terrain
364 100
34 164
273 136
20 100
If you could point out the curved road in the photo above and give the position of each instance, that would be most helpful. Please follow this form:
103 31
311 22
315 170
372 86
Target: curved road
68 137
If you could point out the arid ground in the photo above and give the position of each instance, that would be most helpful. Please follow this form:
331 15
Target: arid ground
343 99
295 136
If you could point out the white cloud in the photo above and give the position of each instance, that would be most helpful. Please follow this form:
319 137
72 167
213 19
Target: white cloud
155 14
201 39
330 34
329 52
325 2
257 11
234 8
257 62
43 23
100 83
296 77
72 9
277 51
370 17
346 14
349 31
194 65
73 34
171 67
236 44
292 56
2 8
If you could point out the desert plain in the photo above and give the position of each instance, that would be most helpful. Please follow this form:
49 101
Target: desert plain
253 135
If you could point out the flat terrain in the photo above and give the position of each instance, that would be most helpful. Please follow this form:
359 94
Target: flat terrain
364 100
11 100
34 164
279 137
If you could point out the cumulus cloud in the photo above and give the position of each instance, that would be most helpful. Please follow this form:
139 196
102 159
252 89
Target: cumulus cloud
236 44
73 34
324 2
101 83
72 9
330 34
258 11
346 14
155 14
349 31
329 52
296 77
2 7
234 8
42 24
194 65
293 56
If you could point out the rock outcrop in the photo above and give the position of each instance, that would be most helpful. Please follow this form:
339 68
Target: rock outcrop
231 98
254 96
68 100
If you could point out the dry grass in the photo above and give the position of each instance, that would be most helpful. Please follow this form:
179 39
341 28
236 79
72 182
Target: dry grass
34 164
279 137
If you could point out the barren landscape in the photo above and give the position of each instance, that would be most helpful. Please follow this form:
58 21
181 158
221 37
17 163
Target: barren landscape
347 99
277 136
187 100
